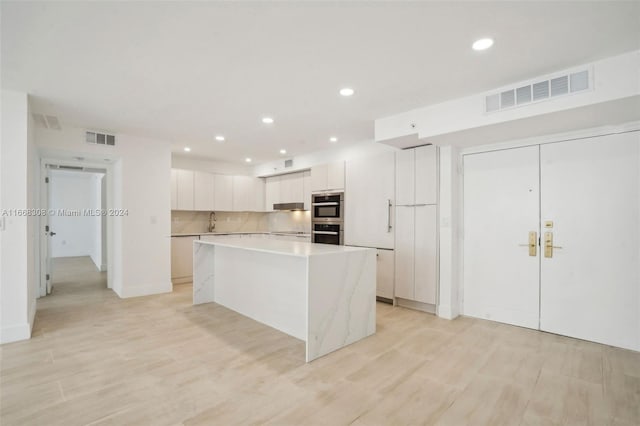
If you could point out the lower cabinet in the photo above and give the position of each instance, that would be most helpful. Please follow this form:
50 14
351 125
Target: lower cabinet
182 259
385 273
416 253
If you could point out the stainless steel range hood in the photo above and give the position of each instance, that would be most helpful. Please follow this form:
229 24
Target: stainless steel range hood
288 206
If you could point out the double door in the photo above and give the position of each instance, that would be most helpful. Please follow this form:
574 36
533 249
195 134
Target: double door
552 238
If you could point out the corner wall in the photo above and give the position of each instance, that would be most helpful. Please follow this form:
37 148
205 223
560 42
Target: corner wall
18 242
138 185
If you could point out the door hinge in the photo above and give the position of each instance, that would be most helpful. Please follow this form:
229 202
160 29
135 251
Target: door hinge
46 180
46 228
48 277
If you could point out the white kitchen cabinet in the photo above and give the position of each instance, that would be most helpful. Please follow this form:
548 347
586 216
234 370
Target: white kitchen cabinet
248 194
182 259
385 273
203 189
416 253
292 188
327 177
417 176
223 193
184 189
306 189
271 192
174 189
257 200
369 200
242 193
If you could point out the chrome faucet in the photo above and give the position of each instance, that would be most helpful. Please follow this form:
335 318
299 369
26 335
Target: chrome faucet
212 221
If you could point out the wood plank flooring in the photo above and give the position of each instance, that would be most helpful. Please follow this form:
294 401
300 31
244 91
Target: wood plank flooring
95 359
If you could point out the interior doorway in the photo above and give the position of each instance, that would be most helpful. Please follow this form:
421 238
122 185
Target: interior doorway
552 238
74 250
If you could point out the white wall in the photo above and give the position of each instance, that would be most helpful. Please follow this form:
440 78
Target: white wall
76 235
615 78
138 182
338 153
18 237
221 167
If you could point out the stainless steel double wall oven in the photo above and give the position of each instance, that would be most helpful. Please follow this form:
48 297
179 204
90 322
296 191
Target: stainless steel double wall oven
327 220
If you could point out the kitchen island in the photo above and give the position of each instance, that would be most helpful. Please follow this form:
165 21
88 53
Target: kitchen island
322 294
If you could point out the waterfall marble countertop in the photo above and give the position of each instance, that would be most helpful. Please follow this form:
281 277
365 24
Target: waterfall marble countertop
292 248
322 294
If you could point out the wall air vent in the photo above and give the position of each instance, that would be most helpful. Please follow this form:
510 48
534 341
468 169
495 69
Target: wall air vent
539 90
100 138
46 121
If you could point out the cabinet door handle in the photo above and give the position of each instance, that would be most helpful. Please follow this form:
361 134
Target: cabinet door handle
389 216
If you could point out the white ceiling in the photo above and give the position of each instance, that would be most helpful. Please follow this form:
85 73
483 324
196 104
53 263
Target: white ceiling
188 71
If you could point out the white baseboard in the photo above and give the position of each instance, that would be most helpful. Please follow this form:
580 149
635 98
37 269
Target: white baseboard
32 314
144 290
15 333
445 311
412 304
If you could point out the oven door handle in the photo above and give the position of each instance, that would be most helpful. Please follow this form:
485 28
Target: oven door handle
325 232
335 203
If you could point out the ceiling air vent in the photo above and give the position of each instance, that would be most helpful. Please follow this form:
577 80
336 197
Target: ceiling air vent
288 163
539 90
46 121
100 138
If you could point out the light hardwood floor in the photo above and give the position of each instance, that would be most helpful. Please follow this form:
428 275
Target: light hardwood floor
158 360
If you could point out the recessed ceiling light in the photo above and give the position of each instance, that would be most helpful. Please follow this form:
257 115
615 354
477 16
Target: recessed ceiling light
187 149
482 44
347 91
267 120
333 139
220 138
283 151
248 160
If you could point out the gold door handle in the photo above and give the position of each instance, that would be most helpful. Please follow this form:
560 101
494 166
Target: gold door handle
548 244
533 244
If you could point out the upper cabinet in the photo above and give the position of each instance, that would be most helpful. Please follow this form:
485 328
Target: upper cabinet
203 191
287 188
327 177
204 187
248 194
417 176
223 193
369 201
292 188
306 189
181 189
271 192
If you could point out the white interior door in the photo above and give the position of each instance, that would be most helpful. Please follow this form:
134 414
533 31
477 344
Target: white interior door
48 234
501 208
590 288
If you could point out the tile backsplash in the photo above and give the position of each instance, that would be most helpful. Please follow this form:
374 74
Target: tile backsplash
183 222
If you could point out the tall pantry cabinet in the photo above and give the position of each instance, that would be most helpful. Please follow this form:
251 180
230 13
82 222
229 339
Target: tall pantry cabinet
416 236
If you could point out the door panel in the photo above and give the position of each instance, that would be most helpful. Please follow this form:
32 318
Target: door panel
501 207
590 288
405 239
426 169
426 253
405 177
369 190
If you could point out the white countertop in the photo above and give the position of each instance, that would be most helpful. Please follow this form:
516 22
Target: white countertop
195 234
291 248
